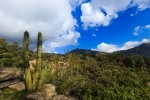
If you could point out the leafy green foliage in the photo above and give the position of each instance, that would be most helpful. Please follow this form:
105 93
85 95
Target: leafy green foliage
102 78
10 54
9 94
88 76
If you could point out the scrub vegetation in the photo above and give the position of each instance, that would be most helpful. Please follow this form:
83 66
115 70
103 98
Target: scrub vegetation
84 75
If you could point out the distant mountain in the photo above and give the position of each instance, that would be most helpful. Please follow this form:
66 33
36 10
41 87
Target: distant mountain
143 50
82 51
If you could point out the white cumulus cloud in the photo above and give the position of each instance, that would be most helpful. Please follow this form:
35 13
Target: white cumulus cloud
147 26
94 35
136 30
102 12
63 40
52 17
76 3
139 29
141 4
104 47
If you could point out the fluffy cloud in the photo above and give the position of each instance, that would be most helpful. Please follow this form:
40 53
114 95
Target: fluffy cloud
106 47
101 12
136 30
141 4
111 47
139 29
147 26
75 3
57 26
94 35
63 40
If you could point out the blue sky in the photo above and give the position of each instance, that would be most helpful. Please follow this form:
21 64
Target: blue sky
129 26
99 25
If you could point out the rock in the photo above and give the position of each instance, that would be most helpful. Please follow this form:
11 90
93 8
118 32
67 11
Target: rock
50 86
61 97
32 64
9 73
7 83
47 94
1 93
50 90
20 86
36 96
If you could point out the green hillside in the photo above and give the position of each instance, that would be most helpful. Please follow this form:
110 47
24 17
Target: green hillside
104 76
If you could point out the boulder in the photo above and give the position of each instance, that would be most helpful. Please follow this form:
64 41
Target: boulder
9 73
50 87
1 93
50 90
61 97
32 64
20 86
36 96
7 83
42 96
49 93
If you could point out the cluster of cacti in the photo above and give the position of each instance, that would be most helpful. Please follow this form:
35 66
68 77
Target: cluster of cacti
31 81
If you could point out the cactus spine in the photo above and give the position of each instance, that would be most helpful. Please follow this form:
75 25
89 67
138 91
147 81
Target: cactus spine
38 64
28 79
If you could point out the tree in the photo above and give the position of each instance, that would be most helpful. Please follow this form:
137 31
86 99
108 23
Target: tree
10 54
3 45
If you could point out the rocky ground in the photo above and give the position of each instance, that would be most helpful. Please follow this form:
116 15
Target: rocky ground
13 78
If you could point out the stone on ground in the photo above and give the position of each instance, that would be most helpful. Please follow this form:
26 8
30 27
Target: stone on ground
20 86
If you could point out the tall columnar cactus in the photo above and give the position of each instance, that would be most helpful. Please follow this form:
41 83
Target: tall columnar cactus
28 79
39 60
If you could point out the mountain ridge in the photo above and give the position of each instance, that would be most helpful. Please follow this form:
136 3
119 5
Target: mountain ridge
142 50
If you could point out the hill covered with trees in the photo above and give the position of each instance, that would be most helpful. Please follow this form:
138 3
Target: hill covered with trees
90 76
142 50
